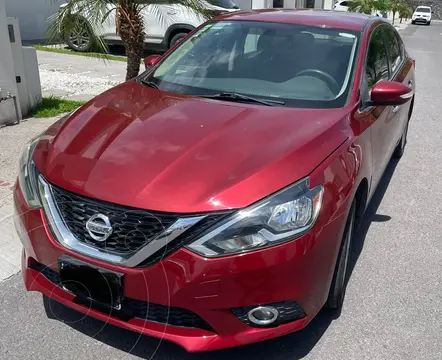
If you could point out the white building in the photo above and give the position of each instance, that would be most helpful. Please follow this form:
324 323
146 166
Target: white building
32 15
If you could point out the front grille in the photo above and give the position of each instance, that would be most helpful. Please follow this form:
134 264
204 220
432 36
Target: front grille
288 311
185 238
132 308
132 228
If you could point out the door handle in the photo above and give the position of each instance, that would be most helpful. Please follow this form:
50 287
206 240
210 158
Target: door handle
396 109
171 12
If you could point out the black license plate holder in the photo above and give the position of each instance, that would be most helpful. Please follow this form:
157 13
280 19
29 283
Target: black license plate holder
86 281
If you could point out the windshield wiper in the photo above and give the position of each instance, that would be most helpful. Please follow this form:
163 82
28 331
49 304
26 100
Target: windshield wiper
230 96
149 83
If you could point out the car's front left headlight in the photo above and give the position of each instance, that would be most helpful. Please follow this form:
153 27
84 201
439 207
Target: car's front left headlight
28 175
281 217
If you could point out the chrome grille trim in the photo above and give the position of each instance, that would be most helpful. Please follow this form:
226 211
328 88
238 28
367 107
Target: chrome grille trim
64 236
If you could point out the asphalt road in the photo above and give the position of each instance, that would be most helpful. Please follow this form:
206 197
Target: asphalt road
393 308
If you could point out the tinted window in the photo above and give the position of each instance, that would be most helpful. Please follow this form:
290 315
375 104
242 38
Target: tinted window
344 3
226 4
377 62
304 66
394 51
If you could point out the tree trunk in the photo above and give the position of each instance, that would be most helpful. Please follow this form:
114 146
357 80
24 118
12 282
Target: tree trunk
132 35
394 14
401 20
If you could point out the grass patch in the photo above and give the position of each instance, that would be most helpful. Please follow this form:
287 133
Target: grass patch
52 106
87 54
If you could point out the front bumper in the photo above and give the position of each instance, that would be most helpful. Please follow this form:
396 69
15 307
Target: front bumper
421 20
299 271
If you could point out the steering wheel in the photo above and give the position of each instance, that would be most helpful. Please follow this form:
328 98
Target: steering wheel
323 76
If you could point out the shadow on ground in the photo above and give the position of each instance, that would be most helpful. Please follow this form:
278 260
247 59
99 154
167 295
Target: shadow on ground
292 346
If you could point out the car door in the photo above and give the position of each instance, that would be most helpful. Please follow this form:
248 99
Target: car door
399 71
382 132
156 20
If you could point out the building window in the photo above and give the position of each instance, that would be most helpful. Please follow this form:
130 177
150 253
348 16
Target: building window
278 4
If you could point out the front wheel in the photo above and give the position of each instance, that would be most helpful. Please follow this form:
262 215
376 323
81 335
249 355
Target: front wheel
338 286
400 148
429 23
413 22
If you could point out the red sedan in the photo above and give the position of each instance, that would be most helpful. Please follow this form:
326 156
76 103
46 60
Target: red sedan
212 201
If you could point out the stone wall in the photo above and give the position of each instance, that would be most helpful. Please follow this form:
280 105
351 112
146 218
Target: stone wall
436 6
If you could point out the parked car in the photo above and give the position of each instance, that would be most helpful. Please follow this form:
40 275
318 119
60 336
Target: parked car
342 5
165 24
213 200
422 15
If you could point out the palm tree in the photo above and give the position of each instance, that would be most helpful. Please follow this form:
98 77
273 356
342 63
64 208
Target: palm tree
394 6
367 6
79 16
404 11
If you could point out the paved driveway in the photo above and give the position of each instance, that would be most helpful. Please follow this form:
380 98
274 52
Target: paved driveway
77 77
393 308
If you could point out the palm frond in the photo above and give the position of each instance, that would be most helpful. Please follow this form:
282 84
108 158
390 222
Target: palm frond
77 13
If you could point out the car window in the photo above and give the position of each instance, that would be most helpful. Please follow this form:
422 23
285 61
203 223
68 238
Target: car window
251 41
377 61
423 10
394 51
344 3
226 4
301 65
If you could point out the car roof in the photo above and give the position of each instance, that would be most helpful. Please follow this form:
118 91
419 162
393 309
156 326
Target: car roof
422 6
325 18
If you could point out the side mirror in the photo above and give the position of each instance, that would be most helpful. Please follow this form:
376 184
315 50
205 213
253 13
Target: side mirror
151 60
386 93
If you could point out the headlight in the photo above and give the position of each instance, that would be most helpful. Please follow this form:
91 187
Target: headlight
276 219
28 175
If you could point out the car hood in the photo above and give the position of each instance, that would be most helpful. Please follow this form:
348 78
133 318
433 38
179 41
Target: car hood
140 147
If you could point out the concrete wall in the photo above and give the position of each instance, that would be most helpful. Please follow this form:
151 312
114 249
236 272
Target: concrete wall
19 66
32 15
7 72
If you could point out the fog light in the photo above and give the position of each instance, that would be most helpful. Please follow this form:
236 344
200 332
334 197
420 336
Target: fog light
263 315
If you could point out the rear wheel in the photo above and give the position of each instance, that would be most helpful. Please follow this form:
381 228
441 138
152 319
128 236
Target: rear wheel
177 37
80 38
338 286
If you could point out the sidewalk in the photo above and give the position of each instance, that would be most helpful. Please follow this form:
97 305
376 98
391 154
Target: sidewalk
12 141
402 26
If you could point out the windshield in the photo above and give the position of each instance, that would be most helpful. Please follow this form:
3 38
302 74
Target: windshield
303 66
226 4
423 10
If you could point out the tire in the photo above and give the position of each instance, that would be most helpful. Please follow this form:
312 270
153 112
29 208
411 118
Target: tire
400 148
429 23
80 38
339 285
413 22
176 38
